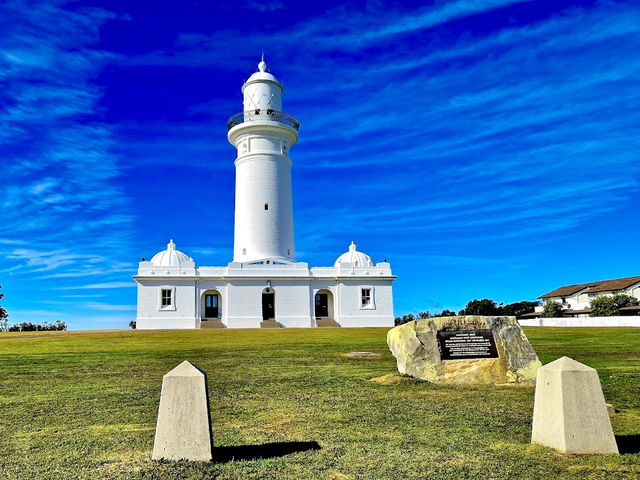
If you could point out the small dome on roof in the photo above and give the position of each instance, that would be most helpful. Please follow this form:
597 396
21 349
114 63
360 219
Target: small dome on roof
358 259
171 257
262 76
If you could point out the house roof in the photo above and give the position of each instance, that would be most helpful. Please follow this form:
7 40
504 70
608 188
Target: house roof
630 308
572 312
566 290
593 287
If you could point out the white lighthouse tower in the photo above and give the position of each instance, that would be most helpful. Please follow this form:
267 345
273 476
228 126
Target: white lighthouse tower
263 135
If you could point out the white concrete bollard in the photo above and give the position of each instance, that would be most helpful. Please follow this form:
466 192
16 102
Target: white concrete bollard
183 430
570 413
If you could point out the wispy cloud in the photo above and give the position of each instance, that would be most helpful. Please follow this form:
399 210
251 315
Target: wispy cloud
42 261
89 305
265 6
99 286
60 176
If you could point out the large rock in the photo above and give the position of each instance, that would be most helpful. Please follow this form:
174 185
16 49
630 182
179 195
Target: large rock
183 430
570 413
464 350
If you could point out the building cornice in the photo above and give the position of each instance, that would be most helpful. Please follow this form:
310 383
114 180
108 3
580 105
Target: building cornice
231 278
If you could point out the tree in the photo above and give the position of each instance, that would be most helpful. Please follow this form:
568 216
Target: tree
518 309
132 324
404 319
606 306
445 313
486 306
422 315
37 327
552 310
4 316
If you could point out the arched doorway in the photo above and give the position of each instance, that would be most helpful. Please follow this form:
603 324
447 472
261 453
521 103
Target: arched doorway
323 304
211 305
268 304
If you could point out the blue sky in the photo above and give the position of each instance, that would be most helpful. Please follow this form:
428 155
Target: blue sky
485 148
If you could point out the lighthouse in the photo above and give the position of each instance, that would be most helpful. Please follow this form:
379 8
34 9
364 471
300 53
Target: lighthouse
265 285
263 135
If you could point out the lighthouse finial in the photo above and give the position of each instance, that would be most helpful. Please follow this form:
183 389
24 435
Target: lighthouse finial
262 66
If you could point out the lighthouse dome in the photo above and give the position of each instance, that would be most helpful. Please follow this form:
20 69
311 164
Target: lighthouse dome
171 257
262 76
353 256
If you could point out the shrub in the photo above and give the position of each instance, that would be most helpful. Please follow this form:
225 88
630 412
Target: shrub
36 327
606 306
552 310
4 316
132 324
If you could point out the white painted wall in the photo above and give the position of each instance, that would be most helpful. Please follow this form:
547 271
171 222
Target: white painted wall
263 179
617 321
353 314
182 314
245 303
241 298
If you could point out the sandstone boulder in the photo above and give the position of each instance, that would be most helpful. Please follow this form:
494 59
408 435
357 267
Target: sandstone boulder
464 350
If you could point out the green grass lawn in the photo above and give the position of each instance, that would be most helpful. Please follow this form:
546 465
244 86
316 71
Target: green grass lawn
83 405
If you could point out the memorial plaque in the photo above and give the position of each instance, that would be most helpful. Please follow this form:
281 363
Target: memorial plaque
466 344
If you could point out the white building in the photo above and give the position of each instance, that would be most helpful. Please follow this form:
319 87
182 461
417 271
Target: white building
264 285
576 299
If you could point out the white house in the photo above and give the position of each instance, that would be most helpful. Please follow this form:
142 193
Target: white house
264 285
576 299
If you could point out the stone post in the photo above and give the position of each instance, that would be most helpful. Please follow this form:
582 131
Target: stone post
183 430
570 413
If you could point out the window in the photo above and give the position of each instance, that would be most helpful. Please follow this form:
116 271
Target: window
266 206
165 300
244 251
366 297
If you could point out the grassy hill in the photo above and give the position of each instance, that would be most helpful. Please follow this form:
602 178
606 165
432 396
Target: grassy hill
83 405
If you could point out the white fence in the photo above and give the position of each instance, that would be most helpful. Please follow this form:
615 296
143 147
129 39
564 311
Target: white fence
617 321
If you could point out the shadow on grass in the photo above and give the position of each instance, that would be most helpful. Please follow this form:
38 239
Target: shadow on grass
628 443
266 450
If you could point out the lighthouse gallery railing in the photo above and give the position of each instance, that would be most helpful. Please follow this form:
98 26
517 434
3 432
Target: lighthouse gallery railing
258 115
